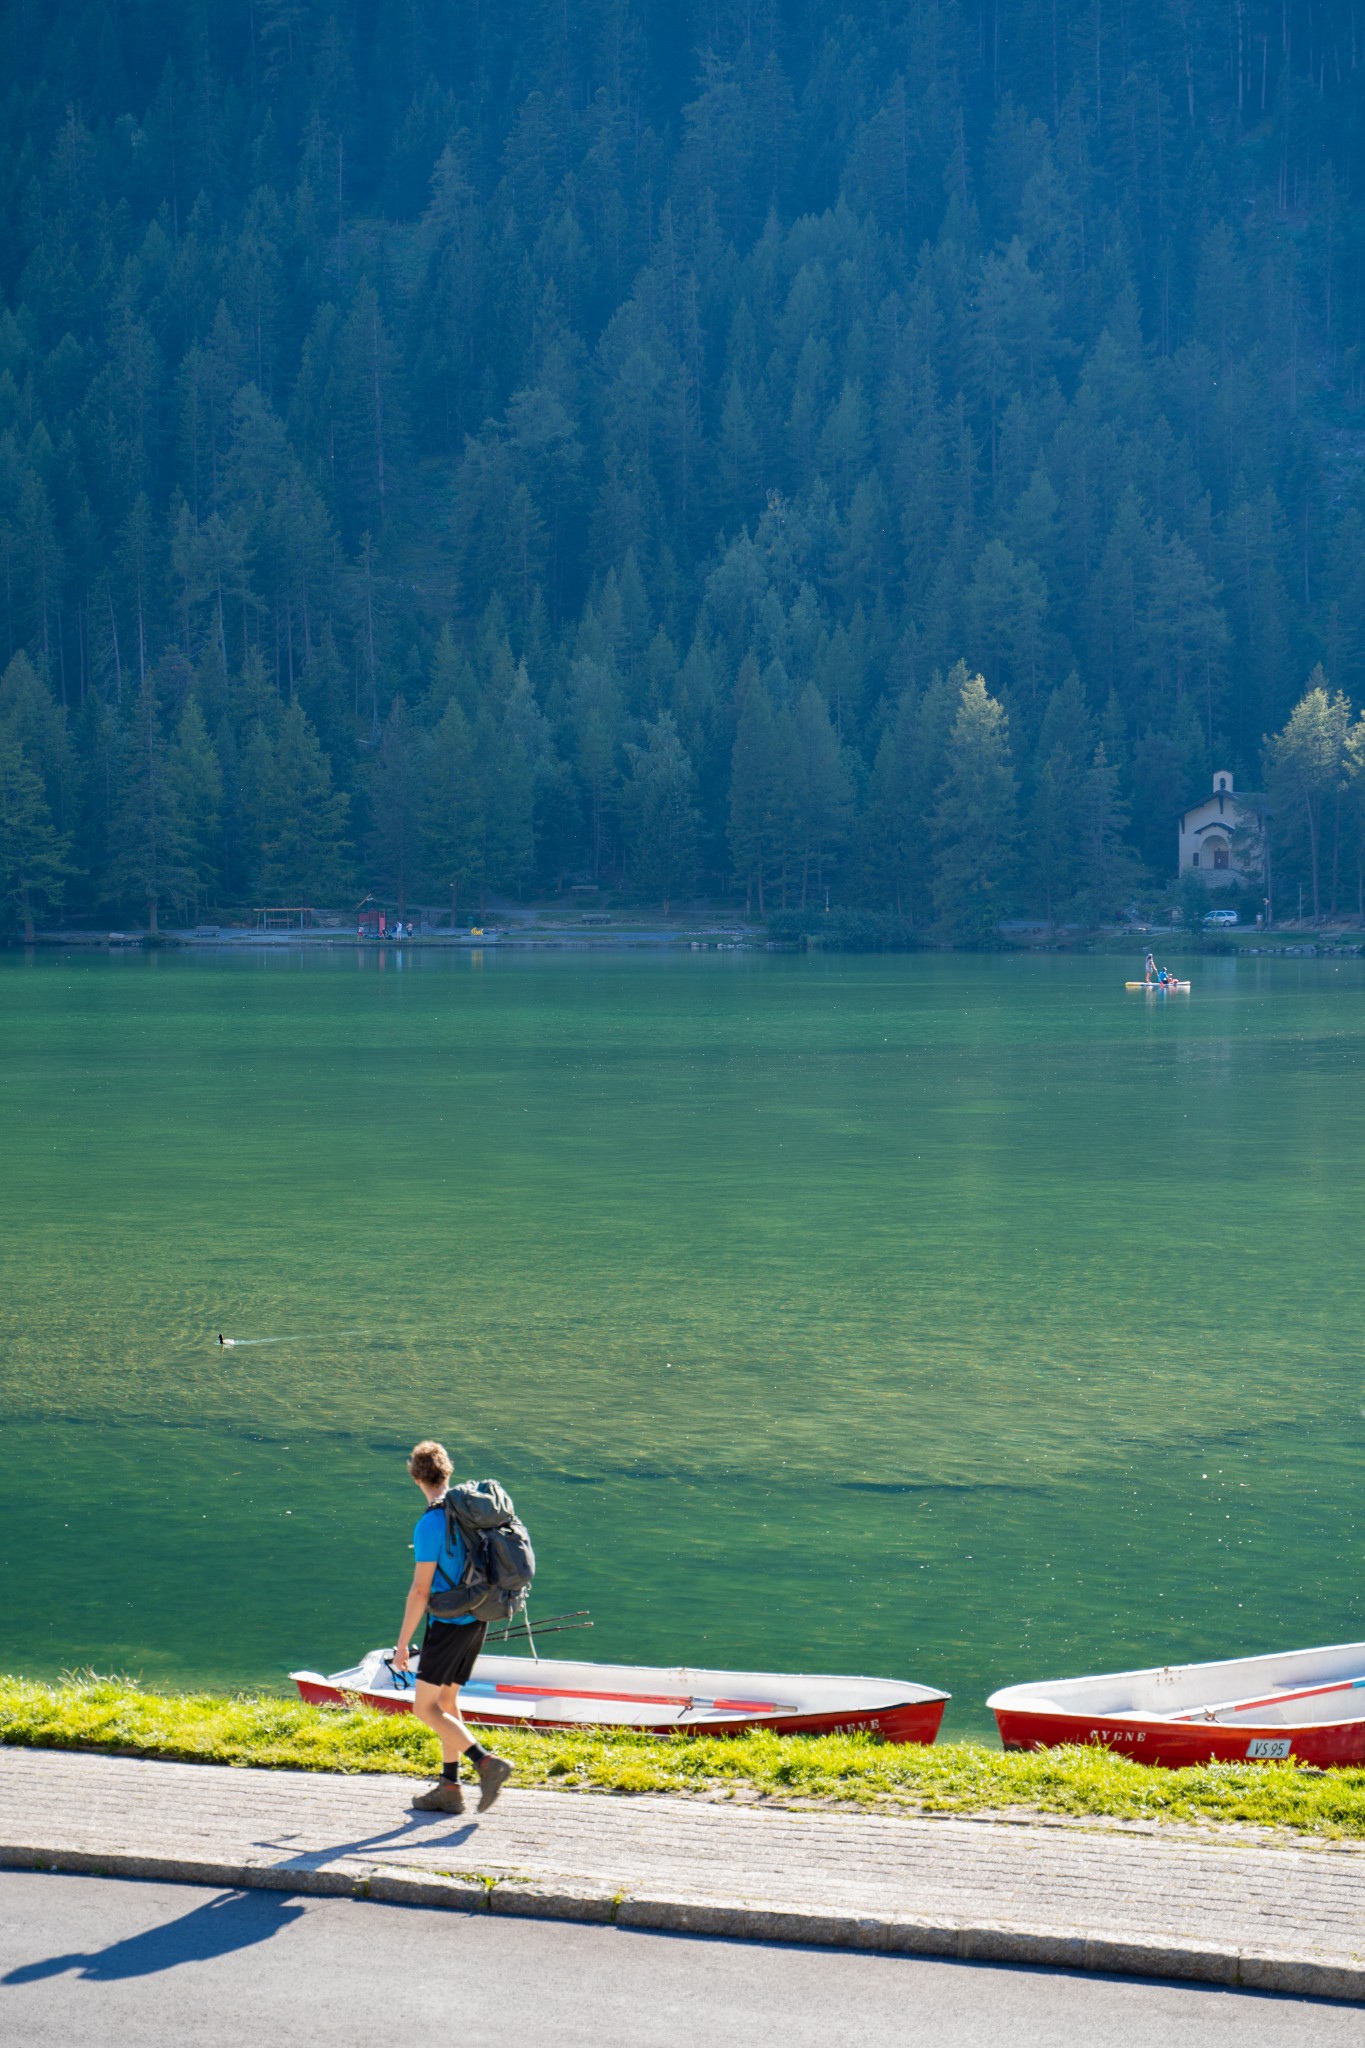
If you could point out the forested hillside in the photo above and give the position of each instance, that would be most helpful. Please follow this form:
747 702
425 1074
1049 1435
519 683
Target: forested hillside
449 446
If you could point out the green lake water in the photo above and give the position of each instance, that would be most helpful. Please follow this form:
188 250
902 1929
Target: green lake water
956 1318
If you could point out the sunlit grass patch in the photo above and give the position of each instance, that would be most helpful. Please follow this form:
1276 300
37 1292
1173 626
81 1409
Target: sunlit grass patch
115 1715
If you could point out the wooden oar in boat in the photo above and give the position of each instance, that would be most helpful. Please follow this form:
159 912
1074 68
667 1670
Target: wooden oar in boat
1270 1699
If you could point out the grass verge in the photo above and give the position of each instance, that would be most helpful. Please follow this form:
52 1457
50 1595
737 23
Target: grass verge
115 1715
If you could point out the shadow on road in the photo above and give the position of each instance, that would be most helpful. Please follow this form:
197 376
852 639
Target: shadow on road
235 1920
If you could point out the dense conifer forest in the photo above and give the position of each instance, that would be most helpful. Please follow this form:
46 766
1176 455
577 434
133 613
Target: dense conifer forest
744 447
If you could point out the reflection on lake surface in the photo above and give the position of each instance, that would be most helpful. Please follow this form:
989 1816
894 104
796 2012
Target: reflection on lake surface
957 1318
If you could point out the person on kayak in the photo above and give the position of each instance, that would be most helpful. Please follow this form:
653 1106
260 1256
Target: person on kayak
449 1647
1150 970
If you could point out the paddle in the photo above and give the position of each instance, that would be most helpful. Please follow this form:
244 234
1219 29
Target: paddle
1270 1699
689 1702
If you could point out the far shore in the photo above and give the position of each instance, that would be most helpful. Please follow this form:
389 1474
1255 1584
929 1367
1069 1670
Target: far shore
622 933
520 935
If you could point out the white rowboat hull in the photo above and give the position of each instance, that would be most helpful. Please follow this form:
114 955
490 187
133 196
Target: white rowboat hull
555 1692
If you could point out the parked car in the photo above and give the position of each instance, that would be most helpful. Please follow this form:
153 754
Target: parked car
1220 917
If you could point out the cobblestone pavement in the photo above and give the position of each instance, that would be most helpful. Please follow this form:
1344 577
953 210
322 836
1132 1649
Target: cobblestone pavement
1181 1903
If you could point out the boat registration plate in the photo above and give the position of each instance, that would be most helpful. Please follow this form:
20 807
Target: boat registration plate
1263 1745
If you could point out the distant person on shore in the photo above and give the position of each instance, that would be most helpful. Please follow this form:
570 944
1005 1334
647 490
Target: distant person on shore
449 1647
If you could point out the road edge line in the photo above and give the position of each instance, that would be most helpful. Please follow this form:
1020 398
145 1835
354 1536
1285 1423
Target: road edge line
982 1941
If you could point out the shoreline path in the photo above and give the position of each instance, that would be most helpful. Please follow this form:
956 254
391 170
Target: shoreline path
1210 1906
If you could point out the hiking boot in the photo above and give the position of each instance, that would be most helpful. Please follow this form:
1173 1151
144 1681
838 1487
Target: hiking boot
494 1772
444 1797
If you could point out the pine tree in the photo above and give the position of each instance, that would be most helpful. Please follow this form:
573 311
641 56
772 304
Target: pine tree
597 718
393 840
755 793
97 737
303 847
974 824
1170 771
149 858
1184 633
896 839
45 732
1050 839
33 863
824 787
450 807
366 431
249 792
194 778
558 824
890 826
301 552
451 676
1053 857
507 781
1107 869
660 815
739 458
1006 604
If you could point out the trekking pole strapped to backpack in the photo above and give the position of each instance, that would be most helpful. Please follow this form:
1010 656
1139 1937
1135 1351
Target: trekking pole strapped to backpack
500 1563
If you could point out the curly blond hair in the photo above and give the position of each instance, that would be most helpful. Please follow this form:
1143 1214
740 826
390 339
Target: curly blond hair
429 1463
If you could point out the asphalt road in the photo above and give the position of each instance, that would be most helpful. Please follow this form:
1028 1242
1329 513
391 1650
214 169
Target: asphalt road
120 1964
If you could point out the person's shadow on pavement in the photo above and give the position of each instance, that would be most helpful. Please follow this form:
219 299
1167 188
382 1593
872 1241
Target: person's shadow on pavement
235 1920
415 1829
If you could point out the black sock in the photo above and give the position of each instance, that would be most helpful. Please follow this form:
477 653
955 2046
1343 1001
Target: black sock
476 1754
451 1772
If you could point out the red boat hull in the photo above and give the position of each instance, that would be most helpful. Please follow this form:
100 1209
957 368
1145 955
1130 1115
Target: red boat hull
915 1721
1175 1744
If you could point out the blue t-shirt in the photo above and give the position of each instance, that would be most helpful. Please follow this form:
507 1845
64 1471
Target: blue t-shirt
429 1546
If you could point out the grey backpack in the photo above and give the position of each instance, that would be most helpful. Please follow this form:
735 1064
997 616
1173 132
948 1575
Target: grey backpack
499 1561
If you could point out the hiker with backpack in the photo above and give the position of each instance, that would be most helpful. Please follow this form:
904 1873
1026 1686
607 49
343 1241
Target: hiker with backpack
473 1564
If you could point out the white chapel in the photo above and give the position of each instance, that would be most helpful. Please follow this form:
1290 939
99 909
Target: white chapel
1221 837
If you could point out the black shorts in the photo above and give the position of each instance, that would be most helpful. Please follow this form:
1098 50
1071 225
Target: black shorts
448 1651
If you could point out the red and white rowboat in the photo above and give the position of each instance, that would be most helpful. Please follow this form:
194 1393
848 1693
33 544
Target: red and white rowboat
1308 1704
552 1692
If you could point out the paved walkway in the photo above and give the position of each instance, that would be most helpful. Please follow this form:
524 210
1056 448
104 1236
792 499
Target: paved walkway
1179 1904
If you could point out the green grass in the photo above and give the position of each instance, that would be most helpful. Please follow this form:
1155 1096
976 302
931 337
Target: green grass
117 1716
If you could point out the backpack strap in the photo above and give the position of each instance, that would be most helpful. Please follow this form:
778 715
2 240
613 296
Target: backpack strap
439 1507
